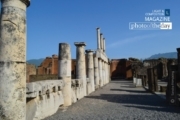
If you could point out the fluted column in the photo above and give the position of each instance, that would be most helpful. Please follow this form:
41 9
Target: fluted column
80 64
13 59
64 71
98 39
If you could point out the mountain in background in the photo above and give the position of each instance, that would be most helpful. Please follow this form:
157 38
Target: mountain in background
164 55
35 62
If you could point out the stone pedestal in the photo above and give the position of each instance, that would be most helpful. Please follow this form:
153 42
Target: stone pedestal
134 80
96 72
138 82
90 69
80 64
13 59
64 71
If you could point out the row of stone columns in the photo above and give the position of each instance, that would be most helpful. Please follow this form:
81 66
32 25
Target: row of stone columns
103 72
97 69
100 41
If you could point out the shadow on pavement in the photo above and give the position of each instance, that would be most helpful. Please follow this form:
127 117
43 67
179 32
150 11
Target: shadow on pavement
134 91
155 102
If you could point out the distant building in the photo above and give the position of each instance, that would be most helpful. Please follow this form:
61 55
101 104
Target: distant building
121 69
30 70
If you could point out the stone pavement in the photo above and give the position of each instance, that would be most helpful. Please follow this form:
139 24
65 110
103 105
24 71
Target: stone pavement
119 100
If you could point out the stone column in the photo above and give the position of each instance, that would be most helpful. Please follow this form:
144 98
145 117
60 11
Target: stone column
102 43
155 79
13 59
100 72
90 68
80 64
109 70
96 73
98 38
150 78
105 69
103 74
64 71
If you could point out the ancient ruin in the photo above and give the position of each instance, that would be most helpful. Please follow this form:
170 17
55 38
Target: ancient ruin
27 93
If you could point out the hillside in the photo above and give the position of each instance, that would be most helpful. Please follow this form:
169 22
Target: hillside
36 62
164 55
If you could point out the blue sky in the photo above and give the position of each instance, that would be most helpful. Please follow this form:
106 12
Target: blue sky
52 22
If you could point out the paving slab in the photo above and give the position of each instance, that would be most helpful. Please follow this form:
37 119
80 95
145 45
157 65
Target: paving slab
119 100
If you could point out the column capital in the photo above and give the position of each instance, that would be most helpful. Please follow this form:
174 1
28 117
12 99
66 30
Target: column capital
26 2
80 44
97 28
89 51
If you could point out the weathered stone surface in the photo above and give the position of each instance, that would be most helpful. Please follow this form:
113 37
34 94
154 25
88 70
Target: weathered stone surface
80 64
100 55
90 69
43 98
96 73
43 106
100 72
65 71
13 60
39 88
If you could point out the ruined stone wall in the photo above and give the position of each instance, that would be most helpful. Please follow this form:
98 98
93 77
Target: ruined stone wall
50 66
30 70
45 67
73 68
129 73
34 78
54 68
121 68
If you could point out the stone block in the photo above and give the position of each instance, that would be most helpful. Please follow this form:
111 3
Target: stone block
139 82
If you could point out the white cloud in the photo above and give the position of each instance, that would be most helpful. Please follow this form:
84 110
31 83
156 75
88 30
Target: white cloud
130 40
